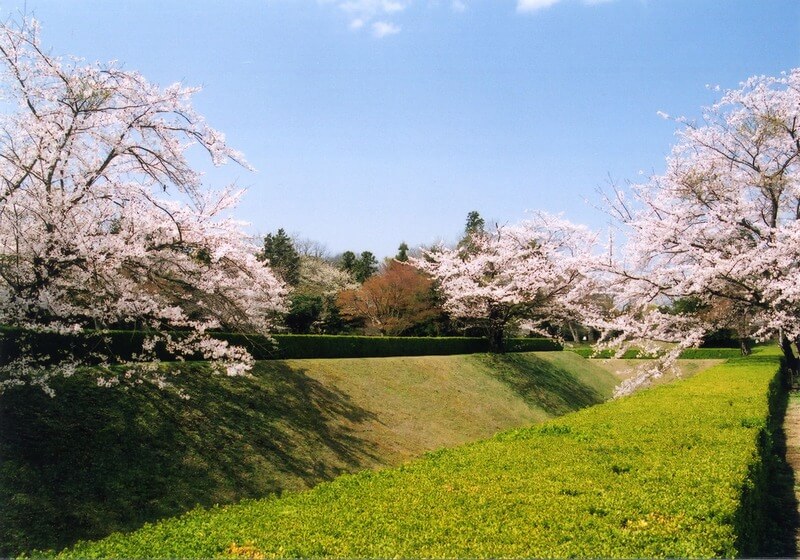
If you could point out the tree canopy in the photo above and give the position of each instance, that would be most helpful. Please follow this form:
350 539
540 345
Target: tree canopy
393 301
530 272
721 226
103 222
280 253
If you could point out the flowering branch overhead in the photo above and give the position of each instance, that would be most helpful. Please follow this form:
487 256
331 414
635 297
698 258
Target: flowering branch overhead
92 234
721 226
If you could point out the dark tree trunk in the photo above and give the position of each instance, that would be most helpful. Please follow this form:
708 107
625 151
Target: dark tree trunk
574 333
744 346
496 340
495 329
792 362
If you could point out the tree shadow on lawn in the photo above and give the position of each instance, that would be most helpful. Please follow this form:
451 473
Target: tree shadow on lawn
542 383
780 503
96 460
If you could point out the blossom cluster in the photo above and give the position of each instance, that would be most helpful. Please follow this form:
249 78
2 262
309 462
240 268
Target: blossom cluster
103 222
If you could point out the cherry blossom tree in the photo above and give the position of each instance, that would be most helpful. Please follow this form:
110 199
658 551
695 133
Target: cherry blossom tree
526 273
721 226
103 223
313 301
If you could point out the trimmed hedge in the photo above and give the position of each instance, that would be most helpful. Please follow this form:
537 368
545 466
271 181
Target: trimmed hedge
676 471
532 345
341 346
590 352
15 343
124 344
711 353
688 354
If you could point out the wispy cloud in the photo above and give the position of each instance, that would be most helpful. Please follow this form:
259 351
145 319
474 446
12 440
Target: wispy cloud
374 14
379 17
381 29
528 6
534 5
373 7
356 24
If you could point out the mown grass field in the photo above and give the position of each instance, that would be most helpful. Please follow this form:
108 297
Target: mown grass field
676 471
96 460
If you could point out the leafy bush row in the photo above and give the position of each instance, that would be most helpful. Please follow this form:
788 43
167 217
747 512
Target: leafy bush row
290 346
676 471
125 344
711 353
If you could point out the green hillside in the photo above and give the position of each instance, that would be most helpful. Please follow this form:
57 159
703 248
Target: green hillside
95 460
676 471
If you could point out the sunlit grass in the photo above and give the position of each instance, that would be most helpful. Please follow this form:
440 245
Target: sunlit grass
660 473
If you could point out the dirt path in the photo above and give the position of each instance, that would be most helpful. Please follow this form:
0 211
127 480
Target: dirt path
791 427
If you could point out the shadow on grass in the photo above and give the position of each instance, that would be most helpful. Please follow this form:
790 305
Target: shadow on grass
96 460
542 383
782 520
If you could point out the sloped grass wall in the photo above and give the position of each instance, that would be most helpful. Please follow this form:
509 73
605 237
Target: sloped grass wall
676 471
95 460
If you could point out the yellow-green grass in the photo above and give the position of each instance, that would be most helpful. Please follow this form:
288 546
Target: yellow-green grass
676 471
96 460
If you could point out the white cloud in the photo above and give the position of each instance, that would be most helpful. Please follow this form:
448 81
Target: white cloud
534 5
527 6
362 12
380 16
373 8
382 29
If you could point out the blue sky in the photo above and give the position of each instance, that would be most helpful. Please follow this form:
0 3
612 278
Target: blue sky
372 122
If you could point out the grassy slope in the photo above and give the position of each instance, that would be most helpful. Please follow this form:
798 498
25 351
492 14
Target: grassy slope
657 474
92 460
627 368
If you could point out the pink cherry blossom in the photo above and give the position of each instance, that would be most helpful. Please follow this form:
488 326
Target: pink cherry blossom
720 226
517 275
103 222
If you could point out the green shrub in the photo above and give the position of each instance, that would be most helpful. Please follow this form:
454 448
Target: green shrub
532 345
591 352
342 346
676 471
123 345
710 353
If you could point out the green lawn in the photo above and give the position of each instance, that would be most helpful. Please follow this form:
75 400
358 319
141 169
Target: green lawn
676 471
96 460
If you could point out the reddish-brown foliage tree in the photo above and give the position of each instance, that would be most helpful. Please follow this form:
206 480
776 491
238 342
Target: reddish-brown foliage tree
393 301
